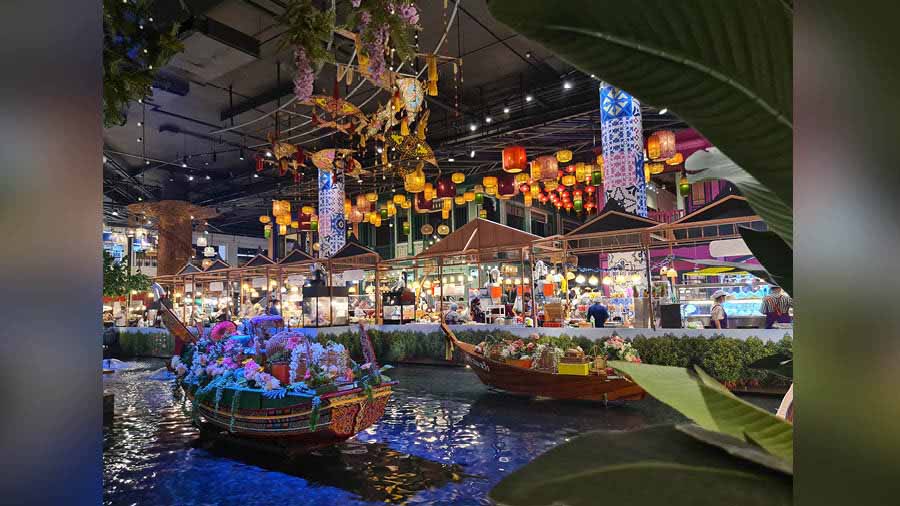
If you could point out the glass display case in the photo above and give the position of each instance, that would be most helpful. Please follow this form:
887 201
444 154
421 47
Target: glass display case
325 306
362 308
398 306
742 306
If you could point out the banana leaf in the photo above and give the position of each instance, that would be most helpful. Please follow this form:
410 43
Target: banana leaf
651 466
775 255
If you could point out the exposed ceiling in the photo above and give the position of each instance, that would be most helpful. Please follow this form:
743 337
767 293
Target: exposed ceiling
215 102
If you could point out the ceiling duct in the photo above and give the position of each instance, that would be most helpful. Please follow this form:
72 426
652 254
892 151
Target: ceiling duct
213 49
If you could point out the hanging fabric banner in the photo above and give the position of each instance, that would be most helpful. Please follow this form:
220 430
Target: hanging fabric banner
621 130
332 225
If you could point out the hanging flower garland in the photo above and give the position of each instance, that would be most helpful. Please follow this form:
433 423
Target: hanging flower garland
309 30
134 49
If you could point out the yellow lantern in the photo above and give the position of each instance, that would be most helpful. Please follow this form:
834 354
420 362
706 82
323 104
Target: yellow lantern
675 160
646 173
264 219
414 182
445 214
546 168
661 145
372 197
563 156
482 213
391 208
310 210
527 198
461 200
458 177
490 190
377 220
550 185
582 172
447 205
535 190
406 204
372 217
362 204
489 181
347 207
600 160
399 198
478 188
522 178
568 180
295 224
282 229
443 229
655 167
283 219
469 196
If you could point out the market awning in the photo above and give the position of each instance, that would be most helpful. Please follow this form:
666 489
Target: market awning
353 249
296 255
480 235
259 260
218 265
188 268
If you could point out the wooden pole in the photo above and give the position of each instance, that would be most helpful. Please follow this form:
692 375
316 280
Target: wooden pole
379 317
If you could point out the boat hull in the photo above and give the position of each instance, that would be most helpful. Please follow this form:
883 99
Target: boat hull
340 417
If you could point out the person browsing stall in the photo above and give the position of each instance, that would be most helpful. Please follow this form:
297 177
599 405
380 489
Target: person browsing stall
718 318
453 317
776 306
598 313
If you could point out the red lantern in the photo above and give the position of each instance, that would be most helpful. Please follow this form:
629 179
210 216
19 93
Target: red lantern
577 194
589 189
506 186
446 188
260 162
568 206
570 169
423 205
514 159
661 145
525 188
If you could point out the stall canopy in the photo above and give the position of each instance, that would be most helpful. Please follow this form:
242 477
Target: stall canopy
295 256
480 235
728 205
259 260
188 268
353 255
613 217
218 265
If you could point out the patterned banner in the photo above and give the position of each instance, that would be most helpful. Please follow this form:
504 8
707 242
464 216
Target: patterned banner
332 226
621 131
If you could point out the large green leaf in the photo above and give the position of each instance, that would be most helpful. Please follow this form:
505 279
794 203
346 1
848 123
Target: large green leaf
775 255
713 164
652 466
724 66
711 406
736 447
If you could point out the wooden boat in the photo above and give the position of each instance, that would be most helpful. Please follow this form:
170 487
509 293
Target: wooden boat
341 414
536 383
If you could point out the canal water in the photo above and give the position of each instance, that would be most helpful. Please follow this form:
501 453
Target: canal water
444 439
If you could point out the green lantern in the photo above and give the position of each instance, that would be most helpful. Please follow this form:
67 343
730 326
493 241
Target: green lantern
267 231
684 187
579 205
406 227
479 198
384 213
597 178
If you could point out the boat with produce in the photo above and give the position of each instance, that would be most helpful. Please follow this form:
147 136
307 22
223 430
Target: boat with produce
549 371
270 382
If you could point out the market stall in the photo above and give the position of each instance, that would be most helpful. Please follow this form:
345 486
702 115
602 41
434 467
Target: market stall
293 272
350 293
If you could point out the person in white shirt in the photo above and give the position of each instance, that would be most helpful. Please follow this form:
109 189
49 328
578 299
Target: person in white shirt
718 318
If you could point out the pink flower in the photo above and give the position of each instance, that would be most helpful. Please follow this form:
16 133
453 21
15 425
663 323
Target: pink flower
228 363
251 369
409 13
305 77
355 3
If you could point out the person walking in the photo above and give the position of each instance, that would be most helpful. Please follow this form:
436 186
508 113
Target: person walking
598 313
718 318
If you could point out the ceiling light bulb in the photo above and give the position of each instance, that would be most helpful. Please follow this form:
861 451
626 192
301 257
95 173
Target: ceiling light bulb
146 162
115 213
473 127
506 110
255 175
487 119
451 159
567 85
663 110
207 177
190 178
140 199
139 123
140 139
379 149
269 154
529 98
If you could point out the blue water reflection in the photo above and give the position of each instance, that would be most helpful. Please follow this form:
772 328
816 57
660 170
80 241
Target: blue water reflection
444 439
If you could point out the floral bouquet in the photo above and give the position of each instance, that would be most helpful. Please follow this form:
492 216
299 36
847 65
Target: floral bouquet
616 348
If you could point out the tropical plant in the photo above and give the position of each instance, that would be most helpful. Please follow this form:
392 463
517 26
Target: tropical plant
134 50
117 281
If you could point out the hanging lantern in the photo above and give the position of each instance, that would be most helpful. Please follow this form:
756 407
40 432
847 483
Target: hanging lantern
406 228
678 159
201 241
414 182
399 198
514 159
280 207
590 189
391 208
524 188
356 216
458 177
377 220
362 204
490 190
580 279
446 188
661 145
443 229
427 229
314 223
479 198
543 198
535 189
551 185
672 273
283 219
459 200
469 196
578 205
423 204
646 173
347 206
568 180
406 204
482 213
295 224
522 178
372 217
267 231
372 197
310 210
582 172
264 219
282 229
563 156
489 181
655 167
383 213
684 186
597 177
547 168
528 199
506 186
599 160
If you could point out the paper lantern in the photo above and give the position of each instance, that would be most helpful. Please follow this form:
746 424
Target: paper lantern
362 204
427 229
372 197
443 229
469 196
406 227
282 229
310 210
423 204
391 209
490 190
479 198
514 159
489 181
522 178
482 213
506 186
264 219
458 177
383 212
446 188
377 220
563 156
447 205
684 187
267 231
661 145
548 168
646 173
578 205
295 224
655 167
459 200
283 219
406 204
528 199
356 216
551 185
675 160
280 207
414 182
399 198
582 172
372 217
599 160
314 223
535 189
568 180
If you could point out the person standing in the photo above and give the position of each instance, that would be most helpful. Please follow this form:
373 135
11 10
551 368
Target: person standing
452 317
718 318
475 311
776 306
598 313
272 308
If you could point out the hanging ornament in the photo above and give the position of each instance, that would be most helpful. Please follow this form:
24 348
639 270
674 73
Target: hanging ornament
563 156
678 159
406 228
443 229
264 219
514 159
431 61
446 188
459 200
426 229
458 177
469 196
661 145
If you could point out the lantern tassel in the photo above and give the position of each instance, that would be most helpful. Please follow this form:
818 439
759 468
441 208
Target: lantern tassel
432 75
404 126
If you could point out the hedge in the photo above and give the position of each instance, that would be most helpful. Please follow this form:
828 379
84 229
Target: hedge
140 344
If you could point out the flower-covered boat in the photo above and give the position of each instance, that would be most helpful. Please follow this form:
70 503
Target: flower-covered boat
564 377
276 383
